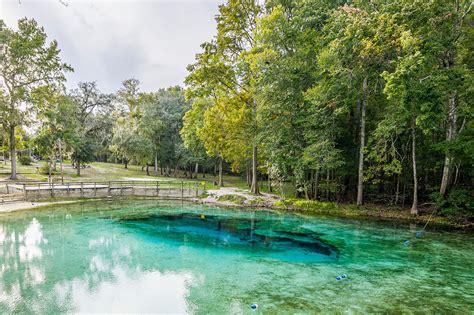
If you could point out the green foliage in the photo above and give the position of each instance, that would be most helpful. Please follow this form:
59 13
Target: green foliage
237 199
28 61
293 80
458 201
25 159
45 169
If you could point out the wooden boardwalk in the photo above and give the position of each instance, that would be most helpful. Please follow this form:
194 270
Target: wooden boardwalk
162 189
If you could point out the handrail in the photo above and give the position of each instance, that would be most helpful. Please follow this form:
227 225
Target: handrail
169 188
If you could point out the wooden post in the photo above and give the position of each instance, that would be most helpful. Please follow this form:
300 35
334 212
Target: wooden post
157 189
121 188
109 190
196 184
82 187
68 189
24 191
61 162
182 190
39 190
8 190
52 188
95 189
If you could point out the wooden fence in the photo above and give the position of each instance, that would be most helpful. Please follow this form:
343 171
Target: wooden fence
162 189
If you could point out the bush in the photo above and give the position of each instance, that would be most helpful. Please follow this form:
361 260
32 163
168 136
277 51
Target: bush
25 160
458 201
232 198
44 170
461 199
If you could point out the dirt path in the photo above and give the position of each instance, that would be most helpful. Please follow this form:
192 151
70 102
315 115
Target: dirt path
220 196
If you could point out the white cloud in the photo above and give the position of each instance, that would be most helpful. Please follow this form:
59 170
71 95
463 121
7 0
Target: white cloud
110 41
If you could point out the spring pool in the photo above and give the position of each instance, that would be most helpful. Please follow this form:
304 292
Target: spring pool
163 257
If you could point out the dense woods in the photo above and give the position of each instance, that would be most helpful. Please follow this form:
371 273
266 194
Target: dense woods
349 101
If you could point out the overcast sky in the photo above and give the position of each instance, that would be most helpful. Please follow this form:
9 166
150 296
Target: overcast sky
109 41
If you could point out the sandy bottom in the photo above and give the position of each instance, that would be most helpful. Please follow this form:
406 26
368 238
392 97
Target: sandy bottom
22 205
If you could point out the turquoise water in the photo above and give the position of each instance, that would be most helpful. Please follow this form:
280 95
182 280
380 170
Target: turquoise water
161 257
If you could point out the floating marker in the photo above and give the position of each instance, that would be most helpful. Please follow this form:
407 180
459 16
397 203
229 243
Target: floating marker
254 306
418 234
406 243
203 216
338 278
343 276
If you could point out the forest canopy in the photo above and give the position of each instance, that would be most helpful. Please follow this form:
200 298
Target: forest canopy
350 101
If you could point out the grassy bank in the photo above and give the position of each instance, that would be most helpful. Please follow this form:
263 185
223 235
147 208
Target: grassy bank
98 171
373 211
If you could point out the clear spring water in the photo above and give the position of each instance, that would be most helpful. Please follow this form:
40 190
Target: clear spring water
158 257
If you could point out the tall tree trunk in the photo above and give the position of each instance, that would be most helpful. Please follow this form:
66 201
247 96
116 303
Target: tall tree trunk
61 161
126 163
450 135
316 184
49 172
12 152
254 188
456 174
248 176
327 185
269 184
414 206
196 169
3 149
360 182
397 190
221 177
156 164
78 168
147 169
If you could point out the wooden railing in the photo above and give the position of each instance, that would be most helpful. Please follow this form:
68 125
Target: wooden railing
165 189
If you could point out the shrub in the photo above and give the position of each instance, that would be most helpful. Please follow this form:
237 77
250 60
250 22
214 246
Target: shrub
461 199
232 198
458 201
25 160
44 170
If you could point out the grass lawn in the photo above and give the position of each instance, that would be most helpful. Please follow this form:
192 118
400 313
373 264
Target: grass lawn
99 171
102 172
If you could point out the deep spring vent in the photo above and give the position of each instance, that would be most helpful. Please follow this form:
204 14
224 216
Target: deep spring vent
242 233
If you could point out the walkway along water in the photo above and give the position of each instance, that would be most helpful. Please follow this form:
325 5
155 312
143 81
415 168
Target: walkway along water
164 189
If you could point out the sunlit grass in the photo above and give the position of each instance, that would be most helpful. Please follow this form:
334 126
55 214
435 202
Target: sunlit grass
102 172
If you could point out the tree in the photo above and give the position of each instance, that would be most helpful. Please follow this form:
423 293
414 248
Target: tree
27 62
88 101
56 112
222 70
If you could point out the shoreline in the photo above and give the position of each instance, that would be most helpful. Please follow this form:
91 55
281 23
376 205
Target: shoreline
368 212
